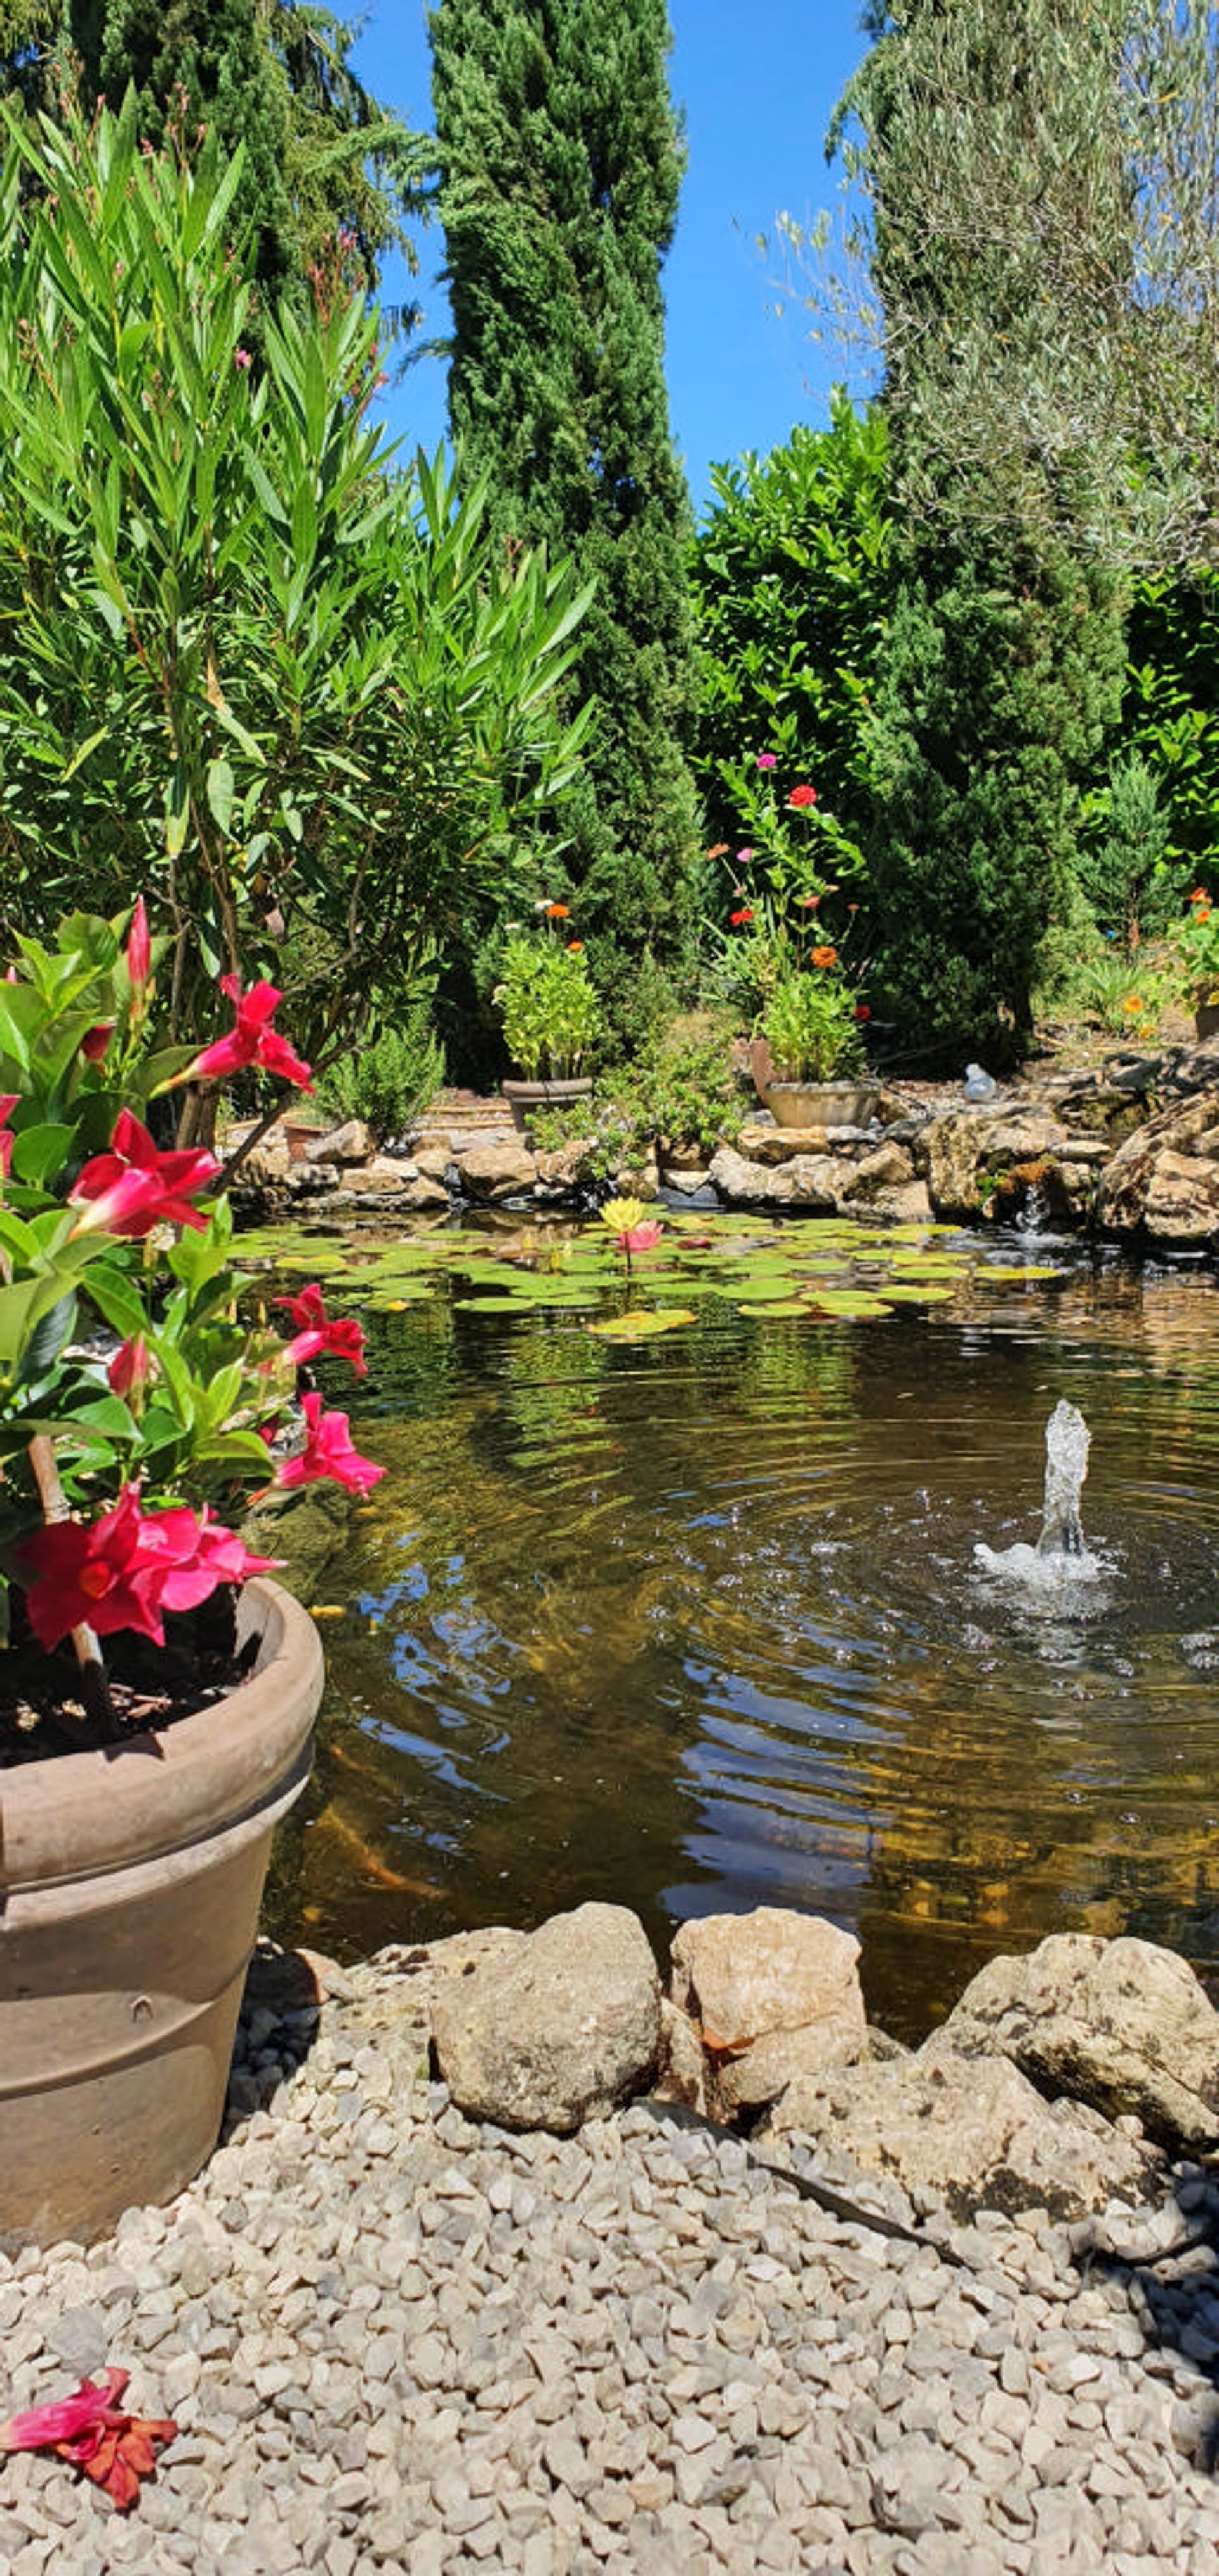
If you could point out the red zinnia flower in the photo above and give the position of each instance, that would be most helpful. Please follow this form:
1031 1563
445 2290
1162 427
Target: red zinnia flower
736 918
328 1451
802 796
575 948
862 1011
135 1186
317 1333
251 1040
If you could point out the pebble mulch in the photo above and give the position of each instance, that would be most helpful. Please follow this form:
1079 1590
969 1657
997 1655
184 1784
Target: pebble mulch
394 2340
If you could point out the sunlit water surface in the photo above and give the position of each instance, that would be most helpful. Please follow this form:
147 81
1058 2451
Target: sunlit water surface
699 1626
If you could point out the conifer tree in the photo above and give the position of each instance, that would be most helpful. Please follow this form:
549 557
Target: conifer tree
561 165
322 157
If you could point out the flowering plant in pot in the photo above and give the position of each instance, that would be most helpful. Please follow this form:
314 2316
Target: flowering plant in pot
1197 946
140 1777
813 1026
550 1010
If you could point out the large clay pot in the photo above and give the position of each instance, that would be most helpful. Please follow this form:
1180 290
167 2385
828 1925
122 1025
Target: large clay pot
524 1096
130 1883
822 1104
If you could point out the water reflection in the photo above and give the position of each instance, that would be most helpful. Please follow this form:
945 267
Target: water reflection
698 1624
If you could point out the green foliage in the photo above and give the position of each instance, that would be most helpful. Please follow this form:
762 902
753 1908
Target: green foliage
561 165
308 708
1170 711
680 1090
998 686
550 1010
811 1026
1123 862
793 585
321 157
387 1079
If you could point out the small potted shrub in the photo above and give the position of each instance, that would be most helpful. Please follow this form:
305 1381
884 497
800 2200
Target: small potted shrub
551 1015
157 1693
813 1026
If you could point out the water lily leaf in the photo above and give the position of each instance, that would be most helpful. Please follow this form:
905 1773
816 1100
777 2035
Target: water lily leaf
913 1292
779 1306
491 1305
641 1326
850 1303
989 1275
757 1291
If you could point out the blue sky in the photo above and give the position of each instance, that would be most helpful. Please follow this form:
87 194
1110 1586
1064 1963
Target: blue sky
757 80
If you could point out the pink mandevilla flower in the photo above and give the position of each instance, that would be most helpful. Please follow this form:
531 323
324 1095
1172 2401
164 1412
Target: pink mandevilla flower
93 2430
131 1366
95 1043
8 1102
328 1451
319 1334
136 1186
251 1040
123 1569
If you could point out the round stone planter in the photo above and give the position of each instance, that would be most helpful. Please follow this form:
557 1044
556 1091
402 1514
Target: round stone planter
822 1104
130 1883
522 1097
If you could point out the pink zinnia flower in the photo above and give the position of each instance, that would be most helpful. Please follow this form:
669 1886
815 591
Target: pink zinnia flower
135 1186
340 1337
328 1451
251 1040
767 760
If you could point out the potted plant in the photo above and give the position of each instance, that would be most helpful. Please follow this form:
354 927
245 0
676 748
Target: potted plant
156 1691
1197 946
813 1026
551 1014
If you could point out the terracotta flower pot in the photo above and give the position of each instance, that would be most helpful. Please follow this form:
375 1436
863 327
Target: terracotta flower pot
559 1094
822 1104
130 1884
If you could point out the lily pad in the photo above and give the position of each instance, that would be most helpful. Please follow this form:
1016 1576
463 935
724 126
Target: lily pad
910 1292
989 1274
798 1306
640 1327
850 1304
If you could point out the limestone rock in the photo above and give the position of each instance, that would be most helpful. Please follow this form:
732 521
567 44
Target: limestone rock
973 2130
949 1152
425 1192
910 1205
774 1994
496 1171
350 1143
682 2074
266 1166
741 1183
821 1182
558 2030
1158 1178
386 1174
1022 1139
688 1178
432 1160
886 1167
1120 2024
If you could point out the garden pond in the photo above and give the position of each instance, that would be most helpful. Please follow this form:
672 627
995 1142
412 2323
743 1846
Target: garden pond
684 1613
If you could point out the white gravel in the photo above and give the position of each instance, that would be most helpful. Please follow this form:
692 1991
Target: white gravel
394 2340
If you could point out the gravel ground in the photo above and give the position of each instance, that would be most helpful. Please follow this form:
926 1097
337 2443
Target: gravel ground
393 2339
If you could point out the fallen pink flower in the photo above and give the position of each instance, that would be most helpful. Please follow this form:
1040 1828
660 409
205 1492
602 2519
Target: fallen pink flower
328 1451
95 2433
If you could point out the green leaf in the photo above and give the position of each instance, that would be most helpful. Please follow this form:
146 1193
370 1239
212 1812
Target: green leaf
40 1151
220 792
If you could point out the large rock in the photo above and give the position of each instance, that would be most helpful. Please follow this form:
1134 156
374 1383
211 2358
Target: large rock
496 1171
1164 1178
558 2029
949 1152
972 2130
773 1995
1120 2024
350 1143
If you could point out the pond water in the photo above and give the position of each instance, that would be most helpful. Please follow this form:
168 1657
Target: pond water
696 1623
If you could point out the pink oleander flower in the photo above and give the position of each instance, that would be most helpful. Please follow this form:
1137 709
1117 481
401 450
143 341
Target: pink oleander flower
767 760
93 2431
136 1186
251 1040
139 948
319 1334
328 1451
639 1238
124 1569
131 1367
95 1043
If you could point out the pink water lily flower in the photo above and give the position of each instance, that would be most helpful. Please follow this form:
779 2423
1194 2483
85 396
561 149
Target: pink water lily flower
639 1238
328 1451
95 2433
251 1040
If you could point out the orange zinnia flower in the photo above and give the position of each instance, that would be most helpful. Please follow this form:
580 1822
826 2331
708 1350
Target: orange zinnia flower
575 948
825 956
558 912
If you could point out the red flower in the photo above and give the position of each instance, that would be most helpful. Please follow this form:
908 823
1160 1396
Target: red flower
94 2432
139 948
8 1102
95 1042
575 948
135 1186
862 1012
251 1040
328 1451
810 902
131 1366
318 1333
558 912
802 796
123 1570
745 914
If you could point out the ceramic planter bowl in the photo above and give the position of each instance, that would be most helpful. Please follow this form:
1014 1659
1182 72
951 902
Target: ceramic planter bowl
822 1104
523 1096
130 1883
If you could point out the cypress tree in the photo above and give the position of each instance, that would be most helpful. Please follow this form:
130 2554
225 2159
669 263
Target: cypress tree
561 164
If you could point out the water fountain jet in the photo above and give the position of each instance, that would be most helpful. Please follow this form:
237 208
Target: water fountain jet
1060 1555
